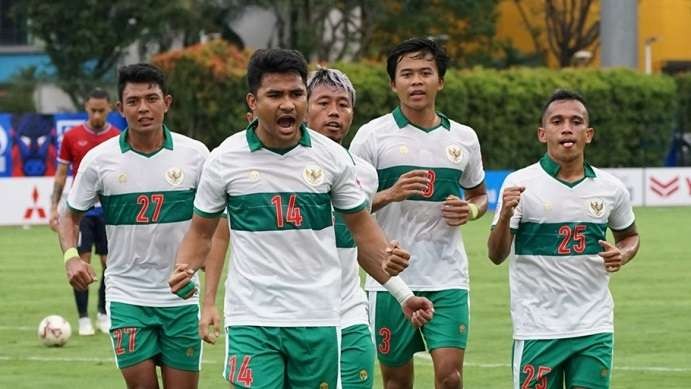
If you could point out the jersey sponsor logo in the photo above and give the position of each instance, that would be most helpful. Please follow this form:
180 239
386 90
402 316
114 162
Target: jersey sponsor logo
313 175
253 176
454 153
174 176
403 149
596 207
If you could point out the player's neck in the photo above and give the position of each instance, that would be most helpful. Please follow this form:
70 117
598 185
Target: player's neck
95 130
145 141
423 118
572 170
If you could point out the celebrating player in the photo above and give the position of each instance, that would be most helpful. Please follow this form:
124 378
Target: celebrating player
551 222
279 181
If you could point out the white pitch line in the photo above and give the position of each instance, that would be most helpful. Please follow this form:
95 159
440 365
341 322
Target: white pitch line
21 328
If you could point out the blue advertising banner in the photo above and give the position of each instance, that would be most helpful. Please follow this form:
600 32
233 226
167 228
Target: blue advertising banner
5 145
29 143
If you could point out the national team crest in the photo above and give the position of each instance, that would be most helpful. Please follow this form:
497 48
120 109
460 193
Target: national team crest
314 175
253 175
363 375
403 149
596 207
122 178
323 385
174 176
454 153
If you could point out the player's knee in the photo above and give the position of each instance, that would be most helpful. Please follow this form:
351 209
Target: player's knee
449 380
398 384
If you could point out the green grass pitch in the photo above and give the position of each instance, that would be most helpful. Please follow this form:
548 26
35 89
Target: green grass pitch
652 315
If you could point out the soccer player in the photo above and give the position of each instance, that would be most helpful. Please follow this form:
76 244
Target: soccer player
146 180
422 160
551 222
75 144
330 104
279 181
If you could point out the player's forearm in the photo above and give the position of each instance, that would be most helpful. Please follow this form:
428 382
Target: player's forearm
381 199
68 227
196 244
372 245
214 263
628 247
499 241
480 202
58 186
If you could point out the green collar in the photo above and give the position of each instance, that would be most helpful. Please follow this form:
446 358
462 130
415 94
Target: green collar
167 142
255 143
552 168
403 121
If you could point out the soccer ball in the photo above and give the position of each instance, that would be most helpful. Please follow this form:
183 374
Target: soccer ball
54 330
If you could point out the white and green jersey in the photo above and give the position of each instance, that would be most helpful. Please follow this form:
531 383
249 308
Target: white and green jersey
559 286
353 299
284 269
147 204
450 153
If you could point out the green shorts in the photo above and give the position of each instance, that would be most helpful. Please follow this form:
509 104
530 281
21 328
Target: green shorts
168 335
277 357
357 357
397 340
585 361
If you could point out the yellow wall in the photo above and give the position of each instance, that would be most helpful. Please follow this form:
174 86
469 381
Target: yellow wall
668 20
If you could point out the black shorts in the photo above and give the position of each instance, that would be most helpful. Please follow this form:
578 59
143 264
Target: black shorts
92 232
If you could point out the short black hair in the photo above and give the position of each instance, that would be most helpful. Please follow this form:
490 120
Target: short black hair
563 94
415 45
140 73
265 61
98 93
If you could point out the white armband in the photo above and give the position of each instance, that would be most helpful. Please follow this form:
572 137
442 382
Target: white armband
398 289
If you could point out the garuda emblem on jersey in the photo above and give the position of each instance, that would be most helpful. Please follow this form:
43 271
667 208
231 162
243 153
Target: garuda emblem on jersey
363 375
596 207
174 176
122 178
403 149
314 175
454 153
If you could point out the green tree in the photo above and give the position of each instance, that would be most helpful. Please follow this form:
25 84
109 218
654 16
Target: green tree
85 38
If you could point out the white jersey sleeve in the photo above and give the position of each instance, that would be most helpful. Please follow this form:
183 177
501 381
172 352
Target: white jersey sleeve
86 186
622 215
364 145
475 172
210 199
346 194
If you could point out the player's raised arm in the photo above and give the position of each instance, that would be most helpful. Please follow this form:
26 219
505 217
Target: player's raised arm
501 237
210 321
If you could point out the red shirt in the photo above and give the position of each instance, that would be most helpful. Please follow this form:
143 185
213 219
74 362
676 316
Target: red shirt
78 140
